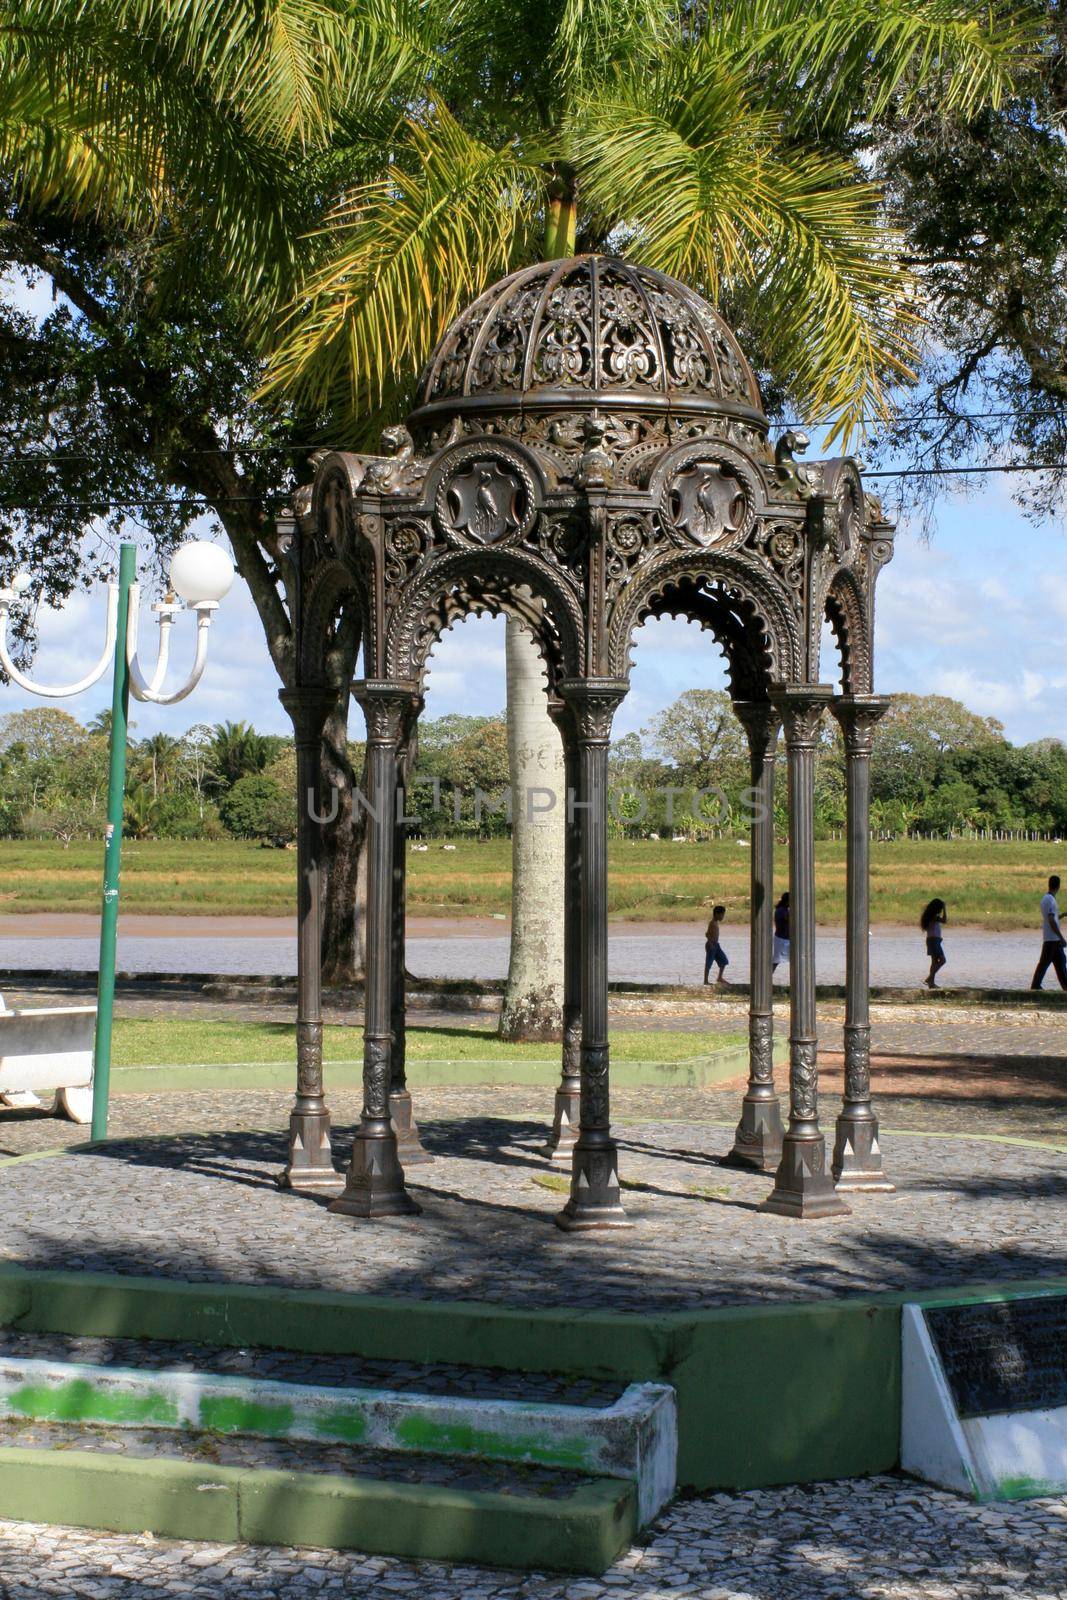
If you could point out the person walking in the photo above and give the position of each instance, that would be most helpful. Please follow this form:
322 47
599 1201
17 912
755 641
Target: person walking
932 923
713 950
780 947
1052 939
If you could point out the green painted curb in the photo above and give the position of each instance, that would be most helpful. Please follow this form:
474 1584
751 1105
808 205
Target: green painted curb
580 1532
766 1394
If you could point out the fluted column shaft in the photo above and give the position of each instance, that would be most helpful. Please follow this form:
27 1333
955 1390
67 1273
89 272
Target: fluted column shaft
310 1162
410 1146
375 1179
758 1140
594 1200
803 1186
857 1158
566 1112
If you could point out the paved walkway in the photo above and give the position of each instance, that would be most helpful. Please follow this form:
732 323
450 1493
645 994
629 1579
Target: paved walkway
880 1539
203 1205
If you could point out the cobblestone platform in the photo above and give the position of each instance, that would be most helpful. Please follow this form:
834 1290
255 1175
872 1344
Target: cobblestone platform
204 1206
880 1538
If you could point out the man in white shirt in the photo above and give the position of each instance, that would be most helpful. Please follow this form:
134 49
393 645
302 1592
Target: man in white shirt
1053 941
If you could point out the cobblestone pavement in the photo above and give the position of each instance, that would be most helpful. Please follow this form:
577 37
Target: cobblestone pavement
203 1205
874 1539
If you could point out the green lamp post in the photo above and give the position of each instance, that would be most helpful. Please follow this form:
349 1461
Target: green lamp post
200 574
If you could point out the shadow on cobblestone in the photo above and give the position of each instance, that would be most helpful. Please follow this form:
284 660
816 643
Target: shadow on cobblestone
203 1206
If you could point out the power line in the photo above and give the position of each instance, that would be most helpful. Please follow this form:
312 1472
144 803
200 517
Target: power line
966 472
177 502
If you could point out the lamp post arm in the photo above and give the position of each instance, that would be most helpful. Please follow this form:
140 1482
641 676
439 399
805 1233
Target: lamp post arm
56 691
150 691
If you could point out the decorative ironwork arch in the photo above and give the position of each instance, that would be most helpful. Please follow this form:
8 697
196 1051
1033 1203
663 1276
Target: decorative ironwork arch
462 583
846 612
662 591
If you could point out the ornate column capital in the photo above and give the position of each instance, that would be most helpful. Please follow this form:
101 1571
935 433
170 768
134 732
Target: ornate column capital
309 708
801 708
761 721
858 715
388 705
592 703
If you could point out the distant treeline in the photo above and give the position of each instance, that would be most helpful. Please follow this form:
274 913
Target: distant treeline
937 770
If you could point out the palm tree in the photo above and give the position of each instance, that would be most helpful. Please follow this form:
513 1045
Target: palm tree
715 143
163 756
533 996
238 750
712 144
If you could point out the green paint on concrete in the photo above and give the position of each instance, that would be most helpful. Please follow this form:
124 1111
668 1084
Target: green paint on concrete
459 1438
1026 1489
81 1401
233 1414
351 1426
831 1410
580 1532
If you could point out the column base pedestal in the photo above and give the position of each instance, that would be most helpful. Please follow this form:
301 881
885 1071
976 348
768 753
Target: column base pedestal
803 1188
857 1160
594 1204
375 1183
564 1135
310 1168
410 1148
758 1140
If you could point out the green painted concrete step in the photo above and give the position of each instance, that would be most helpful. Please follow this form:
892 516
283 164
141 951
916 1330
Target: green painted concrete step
206 1486
635 1438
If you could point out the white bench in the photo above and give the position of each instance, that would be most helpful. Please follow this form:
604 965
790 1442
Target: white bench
51 1049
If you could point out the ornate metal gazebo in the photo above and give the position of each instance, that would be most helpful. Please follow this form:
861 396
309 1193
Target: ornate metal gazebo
588 449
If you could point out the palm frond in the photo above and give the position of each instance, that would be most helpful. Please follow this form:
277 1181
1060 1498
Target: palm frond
407 255
837 58
709 190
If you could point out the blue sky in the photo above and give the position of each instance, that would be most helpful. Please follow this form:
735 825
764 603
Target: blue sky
978 613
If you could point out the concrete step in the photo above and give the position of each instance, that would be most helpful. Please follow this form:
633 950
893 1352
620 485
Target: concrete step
580 1465
203 1486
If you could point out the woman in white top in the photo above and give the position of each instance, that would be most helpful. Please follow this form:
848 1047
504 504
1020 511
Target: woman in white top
933 919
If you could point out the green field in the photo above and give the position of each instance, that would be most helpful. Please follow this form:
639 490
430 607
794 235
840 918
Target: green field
995 885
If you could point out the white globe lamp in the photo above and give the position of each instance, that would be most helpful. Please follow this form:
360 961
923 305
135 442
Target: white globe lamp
201 573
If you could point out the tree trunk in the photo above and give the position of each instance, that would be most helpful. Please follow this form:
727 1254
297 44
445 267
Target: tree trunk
344 838
533 999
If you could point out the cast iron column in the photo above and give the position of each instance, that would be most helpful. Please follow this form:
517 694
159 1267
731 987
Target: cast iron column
857 1160
310 1165
375 1181
803 1187
409 1145
758 1140
594 1201
561 1140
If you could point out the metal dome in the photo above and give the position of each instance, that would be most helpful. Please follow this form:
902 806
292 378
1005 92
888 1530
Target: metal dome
582 333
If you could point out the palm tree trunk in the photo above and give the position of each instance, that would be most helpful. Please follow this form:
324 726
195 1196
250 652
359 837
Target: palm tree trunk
533 998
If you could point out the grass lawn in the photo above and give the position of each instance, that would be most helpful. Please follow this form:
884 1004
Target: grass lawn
142 1042
995 885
